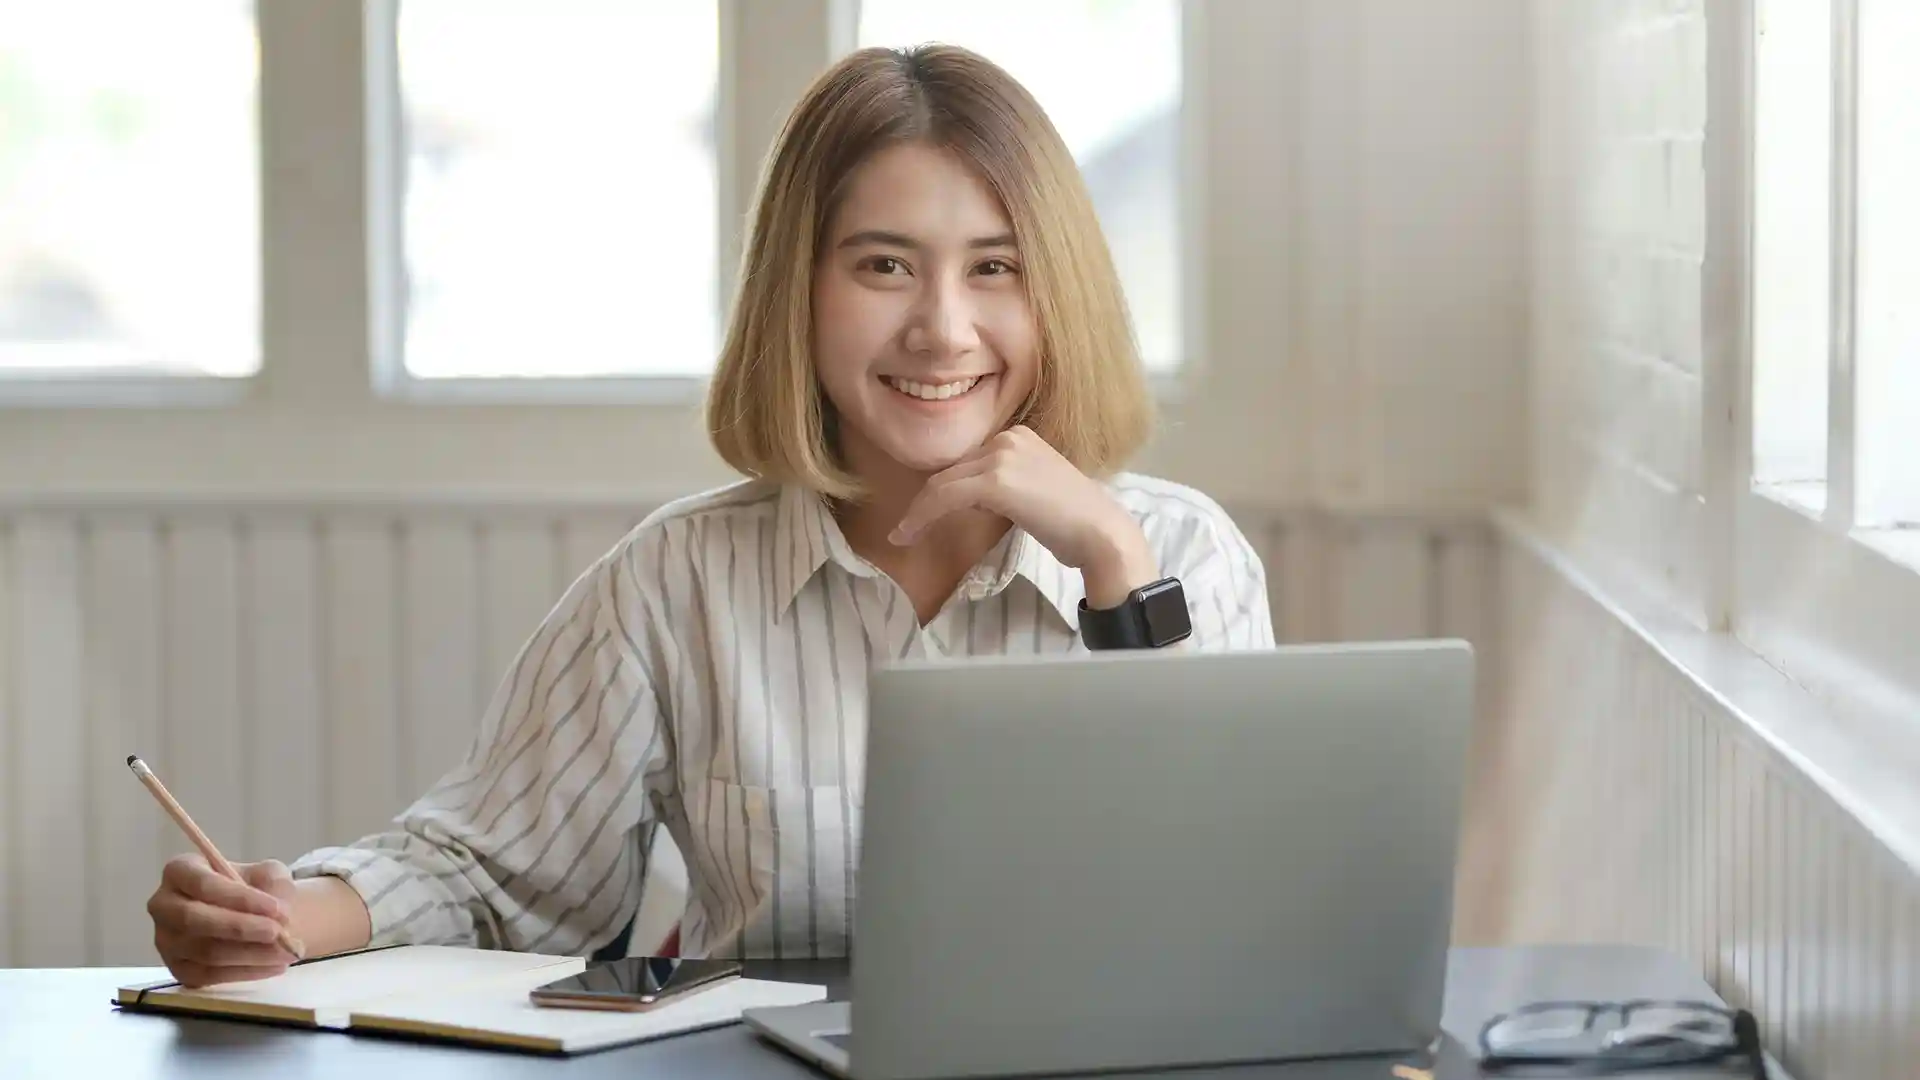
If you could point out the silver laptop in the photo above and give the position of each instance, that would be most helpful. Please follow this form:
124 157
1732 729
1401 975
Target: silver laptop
1147 860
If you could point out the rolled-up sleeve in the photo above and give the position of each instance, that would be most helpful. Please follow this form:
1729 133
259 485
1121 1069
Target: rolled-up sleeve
531 842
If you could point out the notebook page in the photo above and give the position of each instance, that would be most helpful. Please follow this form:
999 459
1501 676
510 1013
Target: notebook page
323 992
489 1015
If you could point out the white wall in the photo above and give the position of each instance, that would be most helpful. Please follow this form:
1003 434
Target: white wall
1618 244
1412 249
1360 291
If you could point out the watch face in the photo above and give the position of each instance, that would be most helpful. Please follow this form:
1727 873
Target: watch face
1165 608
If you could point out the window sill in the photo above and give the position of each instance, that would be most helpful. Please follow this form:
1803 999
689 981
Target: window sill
668 390
1807 497
121 391
1900 545
1864 754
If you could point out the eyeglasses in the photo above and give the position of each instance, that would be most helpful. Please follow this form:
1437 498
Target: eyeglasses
1647 1034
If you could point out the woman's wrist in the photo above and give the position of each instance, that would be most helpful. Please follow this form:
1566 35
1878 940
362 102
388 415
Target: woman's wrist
329 916
1120 563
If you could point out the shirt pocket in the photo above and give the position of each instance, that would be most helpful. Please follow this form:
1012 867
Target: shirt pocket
776 862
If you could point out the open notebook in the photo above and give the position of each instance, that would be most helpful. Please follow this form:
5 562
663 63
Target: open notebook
476 996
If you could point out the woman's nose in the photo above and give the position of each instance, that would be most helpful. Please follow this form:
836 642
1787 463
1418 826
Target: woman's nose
943 322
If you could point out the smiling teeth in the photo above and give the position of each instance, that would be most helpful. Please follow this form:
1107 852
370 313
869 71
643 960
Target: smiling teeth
931 392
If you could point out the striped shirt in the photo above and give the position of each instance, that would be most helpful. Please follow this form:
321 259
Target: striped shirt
709 675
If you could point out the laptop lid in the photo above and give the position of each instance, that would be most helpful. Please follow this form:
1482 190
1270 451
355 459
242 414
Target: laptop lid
1151 859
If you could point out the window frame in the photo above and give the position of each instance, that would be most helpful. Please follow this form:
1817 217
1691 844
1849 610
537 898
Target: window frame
118 390
1844 622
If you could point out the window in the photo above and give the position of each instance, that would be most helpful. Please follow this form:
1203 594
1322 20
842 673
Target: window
129 194
1827 535
1114 95
1836 277
551 191
1793 136
556 210
1886 322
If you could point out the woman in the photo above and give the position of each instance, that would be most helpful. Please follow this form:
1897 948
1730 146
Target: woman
930 381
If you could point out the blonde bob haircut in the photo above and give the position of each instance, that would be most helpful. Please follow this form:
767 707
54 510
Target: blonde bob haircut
766 412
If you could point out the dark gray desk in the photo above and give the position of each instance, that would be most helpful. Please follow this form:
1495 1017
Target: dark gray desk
59 1023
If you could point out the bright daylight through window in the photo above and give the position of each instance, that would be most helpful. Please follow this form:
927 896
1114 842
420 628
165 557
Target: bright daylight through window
1114 94
1836 351
129 188
558 168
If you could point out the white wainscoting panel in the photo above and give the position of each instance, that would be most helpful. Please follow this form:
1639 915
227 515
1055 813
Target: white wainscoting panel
440 644
298 673
9 725
284 684
51 813
123 691
1620 801
204 745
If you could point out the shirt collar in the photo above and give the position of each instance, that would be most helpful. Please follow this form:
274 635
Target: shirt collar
807 537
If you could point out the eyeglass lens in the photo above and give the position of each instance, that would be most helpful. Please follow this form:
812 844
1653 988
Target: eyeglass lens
1603 1029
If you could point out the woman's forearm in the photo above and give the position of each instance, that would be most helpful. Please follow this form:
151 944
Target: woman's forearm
329 916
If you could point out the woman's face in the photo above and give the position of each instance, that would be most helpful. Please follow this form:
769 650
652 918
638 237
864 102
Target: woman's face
923 338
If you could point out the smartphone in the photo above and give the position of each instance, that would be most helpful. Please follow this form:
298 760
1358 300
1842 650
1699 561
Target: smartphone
635 983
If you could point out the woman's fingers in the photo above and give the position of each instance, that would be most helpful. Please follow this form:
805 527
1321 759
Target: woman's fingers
269 876
219 953
937 500
191 974
211 929
184 916
193 878
976 480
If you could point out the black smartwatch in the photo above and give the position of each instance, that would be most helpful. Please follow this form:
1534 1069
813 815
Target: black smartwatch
1152 616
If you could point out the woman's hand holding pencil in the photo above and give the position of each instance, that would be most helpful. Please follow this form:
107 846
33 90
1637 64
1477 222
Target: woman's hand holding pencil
216 921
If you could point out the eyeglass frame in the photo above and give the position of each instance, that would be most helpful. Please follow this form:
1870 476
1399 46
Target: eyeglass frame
1745 1037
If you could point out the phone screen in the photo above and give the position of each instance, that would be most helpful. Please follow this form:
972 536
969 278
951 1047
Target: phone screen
640 978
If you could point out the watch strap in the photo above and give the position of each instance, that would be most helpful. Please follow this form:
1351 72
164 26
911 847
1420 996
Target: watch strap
1129 625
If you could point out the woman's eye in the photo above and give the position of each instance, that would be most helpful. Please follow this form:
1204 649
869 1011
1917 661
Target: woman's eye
886 264
995 267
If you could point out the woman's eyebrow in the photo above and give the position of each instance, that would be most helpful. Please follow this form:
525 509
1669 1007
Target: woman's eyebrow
888 238
881 238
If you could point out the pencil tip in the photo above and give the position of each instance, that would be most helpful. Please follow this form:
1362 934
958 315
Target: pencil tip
132 760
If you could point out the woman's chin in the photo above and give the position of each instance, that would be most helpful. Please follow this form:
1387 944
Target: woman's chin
930 457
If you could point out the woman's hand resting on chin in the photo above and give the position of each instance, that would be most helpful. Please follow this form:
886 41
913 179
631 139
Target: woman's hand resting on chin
1017 475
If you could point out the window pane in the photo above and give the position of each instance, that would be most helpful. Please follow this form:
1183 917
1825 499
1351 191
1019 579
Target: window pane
1793 123
1114 95
1887 323
129 192
559 211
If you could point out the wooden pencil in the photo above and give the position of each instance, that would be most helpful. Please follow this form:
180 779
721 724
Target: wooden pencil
194 833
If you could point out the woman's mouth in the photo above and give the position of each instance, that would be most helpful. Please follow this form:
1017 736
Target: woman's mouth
933 392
